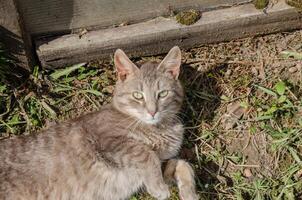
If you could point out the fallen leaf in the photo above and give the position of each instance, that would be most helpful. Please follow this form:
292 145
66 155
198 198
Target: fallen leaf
234 112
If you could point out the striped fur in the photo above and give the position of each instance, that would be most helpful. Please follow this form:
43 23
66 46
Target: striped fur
106 155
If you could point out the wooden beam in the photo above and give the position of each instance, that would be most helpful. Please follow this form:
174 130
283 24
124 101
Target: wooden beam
159 35
56 16
13 35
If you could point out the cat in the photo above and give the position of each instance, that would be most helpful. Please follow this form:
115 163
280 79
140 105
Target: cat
112 153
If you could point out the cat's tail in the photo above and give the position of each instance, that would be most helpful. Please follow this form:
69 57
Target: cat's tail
181 173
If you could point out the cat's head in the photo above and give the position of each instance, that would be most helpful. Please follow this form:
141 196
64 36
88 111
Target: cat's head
152 92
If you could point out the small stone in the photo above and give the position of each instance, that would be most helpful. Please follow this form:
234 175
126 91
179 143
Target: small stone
247 173
237 69
82 32
262 74
255 71
299 66
124 24
298 175
292 69
228 73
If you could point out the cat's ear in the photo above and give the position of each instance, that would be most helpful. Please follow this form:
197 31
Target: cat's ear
171 63
124 66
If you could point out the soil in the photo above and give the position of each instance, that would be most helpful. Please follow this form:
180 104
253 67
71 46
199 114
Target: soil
218 75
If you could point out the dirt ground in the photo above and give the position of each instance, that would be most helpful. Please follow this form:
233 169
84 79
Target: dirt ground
242 112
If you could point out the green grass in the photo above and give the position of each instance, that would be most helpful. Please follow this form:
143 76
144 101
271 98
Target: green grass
45 97
259 158
274 113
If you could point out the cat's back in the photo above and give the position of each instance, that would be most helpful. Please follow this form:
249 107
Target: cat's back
56 139
50 159
69 134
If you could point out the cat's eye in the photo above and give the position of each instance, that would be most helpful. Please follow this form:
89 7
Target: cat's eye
163 94
138 95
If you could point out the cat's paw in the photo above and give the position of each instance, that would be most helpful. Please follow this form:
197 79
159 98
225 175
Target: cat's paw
164 193
161 192
188 195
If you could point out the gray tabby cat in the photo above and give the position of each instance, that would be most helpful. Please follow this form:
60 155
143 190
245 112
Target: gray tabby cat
109 154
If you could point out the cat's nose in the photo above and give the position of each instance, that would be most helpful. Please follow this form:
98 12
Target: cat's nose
152 113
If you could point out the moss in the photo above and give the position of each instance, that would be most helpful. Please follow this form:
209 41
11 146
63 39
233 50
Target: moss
295 3
188 17
260 4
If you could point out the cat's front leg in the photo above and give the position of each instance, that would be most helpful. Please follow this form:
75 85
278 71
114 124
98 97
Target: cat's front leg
147 166
153 178
181 173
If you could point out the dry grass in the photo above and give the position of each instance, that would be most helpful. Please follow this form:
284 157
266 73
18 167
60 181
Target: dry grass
252 151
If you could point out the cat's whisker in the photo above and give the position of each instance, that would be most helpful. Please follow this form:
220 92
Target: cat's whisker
127 118
137 124
132 123
172 115
175 119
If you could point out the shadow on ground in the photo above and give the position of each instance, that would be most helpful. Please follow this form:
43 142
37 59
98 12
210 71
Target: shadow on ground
200 105
10 47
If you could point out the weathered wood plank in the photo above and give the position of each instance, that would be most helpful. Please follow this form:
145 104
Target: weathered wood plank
47 16
12 34
159 35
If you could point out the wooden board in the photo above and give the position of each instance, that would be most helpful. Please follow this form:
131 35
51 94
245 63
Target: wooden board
12 34
56 16
159 35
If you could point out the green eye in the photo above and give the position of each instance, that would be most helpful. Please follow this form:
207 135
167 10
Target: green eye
163 93
137 95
